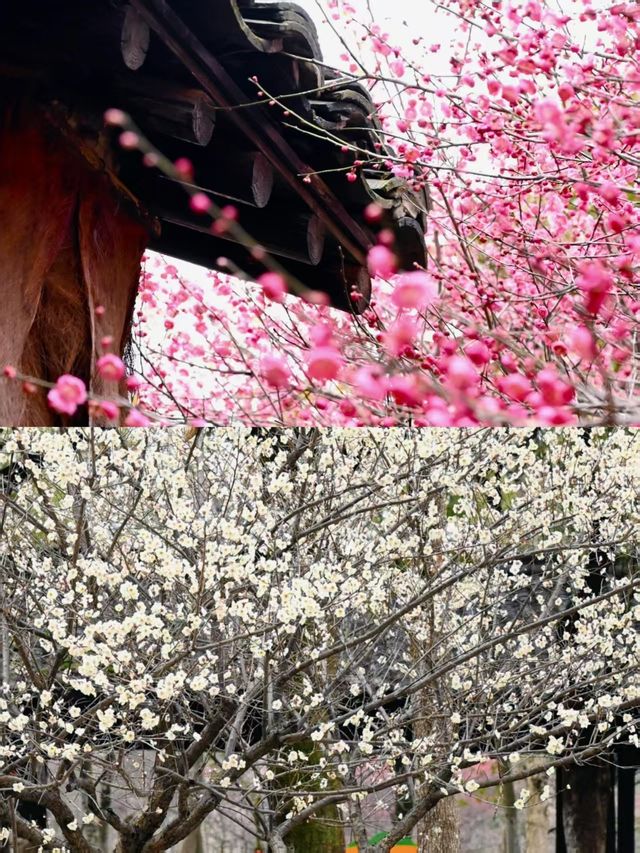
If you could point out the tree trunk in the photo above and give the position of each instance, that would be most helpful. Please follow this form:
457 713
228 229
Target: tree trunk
96 834
322 833
277 845
194 843
511 834
358 824
585 808
129 845
537 817
439 831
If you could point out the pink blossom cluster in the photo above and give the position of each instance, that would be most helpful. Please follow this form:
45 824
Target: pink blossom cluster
527 311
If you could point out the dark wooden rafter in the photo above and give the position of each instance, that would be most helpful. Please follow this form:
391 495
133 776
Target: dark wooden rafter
299 238
245 177
173 110
337 276
136 37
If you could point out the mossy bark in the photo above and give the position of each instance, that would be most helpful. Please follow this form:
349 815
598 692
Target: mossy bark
324 832
439 830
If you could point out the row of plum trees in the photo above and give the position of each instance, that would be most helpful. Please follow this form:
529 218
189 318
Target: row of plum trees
294 631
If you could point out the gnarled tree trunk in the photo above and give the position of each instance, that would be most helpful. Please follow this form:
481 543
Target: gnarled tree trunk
439 830
323 833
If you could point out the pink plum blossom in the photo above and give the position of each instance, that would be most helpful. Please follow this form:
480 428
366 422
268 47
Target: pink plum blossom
111 367
595 281
275 371
324 363
68 393
382 262
414 290
526 308
136 418
274 286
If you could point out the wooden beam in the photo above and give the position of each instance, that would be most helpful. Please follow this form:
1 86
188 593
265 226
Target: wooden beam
135 39
410 243
334 276
299 236
180 112
246 177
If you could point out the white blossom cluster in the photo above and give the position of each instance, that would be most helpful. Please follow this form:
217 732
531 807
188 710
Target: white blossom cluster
287 619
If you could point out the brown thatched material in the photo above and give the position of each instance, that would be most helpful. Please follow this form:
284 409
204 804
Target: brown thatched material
67 244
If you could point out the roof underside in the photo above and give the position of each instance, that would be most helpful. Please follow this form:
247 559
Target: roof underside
185 70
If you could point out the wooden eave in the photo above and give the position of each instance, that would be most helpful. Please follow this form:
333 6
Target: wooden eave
183 70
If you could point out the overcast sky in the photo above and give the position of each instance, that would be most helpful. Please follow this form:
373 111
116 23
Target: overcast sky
402 19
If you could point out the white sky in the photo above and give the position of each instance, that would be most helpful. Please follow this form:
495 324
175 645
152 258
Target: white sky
406 19
400 18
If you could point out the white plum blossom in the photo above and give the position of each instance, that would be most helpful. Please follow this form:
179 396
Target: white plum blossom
106 719
555 746
227 617
148 720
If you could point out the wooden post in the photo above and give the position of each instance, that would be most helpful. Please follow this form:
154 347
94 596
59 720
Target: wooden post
68 244
626 809
585 807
